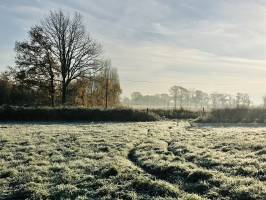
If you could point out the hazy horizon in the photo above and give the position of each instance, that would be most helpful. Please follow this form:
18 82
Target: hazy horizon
208 45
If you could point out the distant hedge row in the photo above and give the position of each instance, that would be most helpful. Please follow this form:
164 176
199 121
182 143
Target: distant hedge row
8 113
236 115
176 114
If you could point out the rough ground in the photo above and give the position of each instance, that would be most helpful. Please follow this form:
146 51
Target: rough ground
155 160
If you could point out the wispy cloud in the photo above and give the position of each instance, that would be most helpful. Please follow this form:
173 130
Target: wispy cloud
211 45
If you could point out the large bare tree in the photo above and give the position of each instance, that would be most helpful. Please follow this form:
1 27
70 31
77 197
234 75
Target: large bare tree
75 51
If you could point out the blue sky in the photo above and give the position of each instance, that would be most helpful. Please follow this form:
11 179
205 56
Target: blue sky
205 44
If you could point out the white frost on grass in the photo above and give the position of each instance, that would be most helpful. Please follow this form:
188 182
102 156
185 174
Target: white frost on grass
166 159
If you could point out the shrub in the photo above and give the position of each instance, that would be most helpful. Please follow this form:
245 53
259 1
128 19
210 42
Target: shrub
175 114
74 114
236 115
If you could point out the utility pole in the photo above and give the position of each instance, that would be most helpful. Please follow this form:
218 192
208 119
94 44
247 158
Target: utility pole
175 98
106 90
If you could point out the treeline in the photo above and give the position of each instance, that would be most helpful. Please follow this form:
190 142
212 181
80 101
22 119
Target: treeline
60 64
183 98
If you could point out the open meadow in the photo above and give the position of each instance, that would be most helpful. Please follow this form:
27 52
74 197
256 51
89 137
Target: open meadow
145 160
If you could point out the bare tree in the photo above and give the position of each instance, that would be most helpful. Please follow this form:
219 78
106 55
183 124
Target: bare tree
178 92
174 93
183 96
75 51
201 99
242 100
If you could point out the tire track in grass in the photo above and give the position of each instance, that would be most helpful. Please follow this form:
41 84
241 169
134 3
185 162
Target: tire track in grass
196 180
208 163
163 177
222 179
188 176
149 183
226 167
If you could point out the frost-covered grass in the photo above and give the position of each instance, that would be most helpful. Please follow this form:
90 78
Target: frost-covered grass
151 160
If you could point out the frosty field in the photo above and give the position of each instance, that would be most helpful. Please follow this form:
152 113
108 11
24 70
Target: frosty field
152 160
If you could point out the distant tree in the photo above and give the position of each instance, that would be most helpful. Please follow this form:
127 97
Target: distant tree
201 99
178 92
264 101
184 96
165 99
174 93
126 101
136 97
190 98
246 100
229 101
222 100
238 99
242 100
215 100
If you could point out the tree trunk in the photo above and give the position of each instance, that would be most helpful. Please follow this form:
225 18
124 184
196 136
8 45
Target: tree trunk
64 91
52 100
52 92
52 97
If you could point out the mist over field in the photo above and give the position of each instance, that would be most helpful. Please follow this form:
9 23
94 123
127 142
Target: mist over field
125 99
